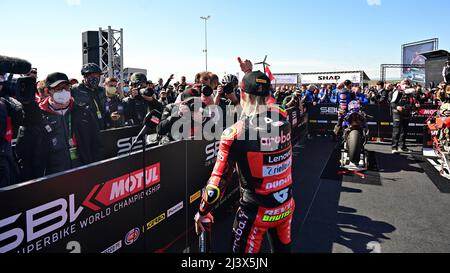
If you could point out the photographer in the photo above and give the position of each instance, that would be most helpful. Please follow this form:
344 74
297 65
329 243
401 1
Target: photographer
226 97
189 112
141 101
89 94
292 100
65 136
10 114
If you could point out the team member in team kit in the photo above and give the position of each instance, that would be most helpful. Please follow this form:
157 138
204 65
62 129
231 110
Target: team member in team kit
264 168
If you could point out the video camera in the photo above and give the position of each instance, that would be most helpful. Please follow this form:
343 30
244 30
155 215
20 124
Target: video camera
22 88
228 88
146 92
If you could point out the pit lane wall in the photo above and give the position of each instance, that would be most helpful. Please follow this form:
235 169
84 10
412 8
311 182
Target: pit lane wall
323 118
116 205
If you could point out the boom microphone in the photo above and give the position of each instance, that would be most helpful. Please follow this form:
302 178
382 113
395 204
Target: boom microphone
14 65
150 121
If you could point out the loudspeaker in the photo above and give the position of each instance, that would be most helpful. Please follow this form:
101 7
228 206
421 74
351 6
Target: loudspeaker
433 70
91 49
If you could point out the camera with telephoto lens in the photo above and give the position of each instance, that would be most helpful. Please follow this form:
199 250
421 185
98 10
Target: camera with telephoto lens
146 92
22 88
206 90
228 88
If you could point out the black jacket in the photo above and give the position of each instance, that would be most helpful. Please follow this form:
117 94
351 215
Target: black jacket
94 100
114 104
9 173
169 117
383 96
44 148
167 132
137 108
399 98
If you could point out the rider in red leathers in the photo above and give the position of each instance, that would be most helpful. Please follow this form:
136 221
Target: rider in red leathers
259 147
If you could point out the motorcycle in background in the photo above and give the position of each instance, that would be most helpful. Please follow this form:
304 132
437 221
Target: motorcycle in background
354 156
439 127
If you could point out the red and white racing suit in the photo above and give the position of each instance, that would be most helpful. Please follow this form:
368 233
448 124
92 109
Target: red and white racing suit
260 149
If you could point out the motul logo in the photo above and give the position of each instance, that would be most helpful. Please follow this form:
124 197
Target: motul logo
122 187
427 112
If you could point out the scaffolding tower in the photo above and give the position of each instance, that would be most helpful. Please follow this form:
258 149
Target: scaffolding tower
111 52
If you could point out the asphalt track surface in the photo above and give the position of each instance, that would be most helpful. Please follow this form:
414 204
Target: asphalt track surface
397 209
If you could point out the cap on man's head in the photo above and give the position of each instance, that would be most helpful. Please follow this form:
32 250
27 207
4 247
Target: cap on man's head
256 83
348 82
55 79
138 78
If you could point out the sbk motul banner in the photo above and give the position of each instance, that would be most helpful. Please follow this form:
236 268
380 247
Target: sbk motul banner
118 141
200 166
106 207
144 202
323 118
299 123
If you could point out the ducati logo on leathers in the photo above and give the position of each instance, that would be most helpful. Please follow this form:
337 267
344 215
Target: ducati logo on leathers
281 196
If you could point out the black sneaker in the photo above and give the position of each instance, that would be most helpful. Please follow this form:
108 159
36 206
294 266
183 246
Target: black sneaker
404 150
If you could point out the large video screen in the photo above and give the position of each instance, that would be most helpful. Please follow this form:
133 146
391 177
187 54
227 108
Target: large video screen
412 54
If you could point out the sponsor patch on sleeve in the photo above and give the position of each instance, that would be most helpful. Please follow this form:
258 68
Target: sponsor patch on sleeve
229 133
212 194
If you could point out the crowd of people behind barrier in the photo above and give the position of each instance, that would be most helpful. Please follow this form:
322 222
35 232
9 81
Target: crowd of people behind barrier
60 129
290 96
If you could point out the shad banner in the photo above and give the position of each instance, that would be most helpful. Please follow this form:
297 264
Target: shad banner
329 78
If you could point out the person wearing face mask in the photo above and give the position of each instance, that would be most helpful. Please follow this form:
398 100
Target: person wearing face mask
114 109
90 94
401 105
66 137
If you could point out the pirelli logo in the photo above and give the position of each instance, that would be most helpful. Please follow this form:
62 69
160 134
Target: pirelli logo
156 221
195 196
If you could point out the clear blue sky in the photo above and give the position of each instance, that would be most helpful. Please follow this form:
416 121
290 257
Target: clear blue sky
166 36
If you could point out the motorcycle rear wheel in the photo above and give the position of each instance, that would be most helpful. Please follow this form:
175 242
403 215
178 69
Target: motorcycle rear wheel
354 146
